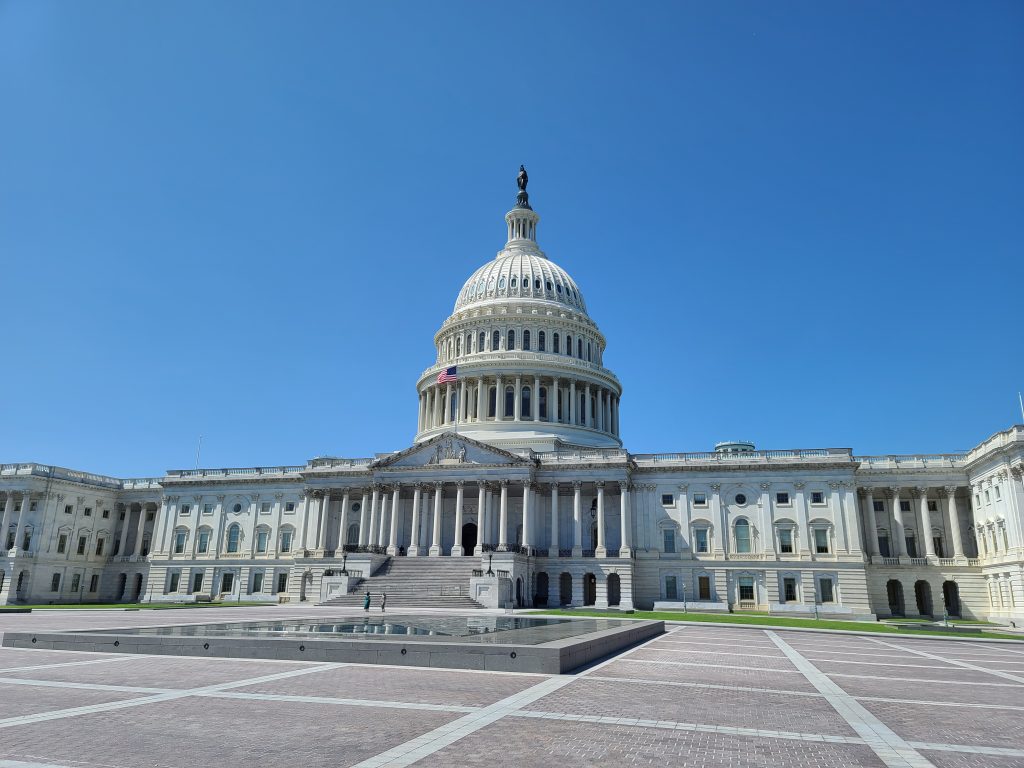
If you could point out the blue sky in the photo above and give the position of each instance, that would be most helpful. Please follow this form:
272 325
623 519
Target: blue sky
796 223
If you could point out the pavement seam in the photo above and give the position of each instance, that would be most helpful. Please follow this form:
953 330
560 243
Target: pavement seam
962 664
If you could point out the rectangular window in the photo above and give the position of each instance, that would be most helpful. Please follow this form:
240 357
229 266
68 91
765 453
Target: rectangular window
671 592
669 540
700 499
186 510
55 583
150 517
265 508
933 506
789 590
782 497
82 543
120 515
746 589
988 497
88 511
821 541
700 540
282 582
94 582
786 541
257 581
667 499
827 594
76 582
904 506
32 506
175 579
817 497
62 544
289 506
197 581
286 541
68 509
999 494
261 540
227 582
99 546
939 549
179 543
883 545
911 546
204 542
879 506
703 587
207 509
106 515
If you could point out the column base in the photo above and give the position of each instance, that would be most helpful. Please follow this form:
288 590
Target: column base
625 552
414 551
457 551
392 550
601 552
553 552
434 551
601 605
577 551
478 549
626 605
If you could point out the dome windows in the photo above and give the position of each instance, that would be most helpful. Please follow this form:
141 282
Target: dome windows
536 284
495 341
548 285
513 282
526 341
501 283
540 341
554 343
559 288
511 340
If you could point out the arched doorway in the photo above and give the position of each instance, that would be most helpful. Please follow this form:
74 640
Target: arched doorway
138 586
614 592
122 586
519 592
894 589
21 588
468 539
589 589
565 589
542 589
951 597
923 597
352 537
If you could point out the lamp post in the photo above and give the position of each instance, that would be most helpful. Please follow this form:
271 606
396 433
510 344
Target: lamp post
344 563
684 597
490 559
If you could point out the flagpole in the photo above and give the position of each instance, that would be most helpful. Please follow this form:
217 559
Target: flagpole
1021 400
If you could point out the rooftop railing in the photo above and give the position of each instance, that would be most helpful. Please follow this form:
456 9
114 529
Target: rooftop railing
919 461
235 472
749 457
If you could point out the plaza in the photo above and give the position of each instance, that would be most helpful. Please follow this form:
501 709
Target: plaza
696 695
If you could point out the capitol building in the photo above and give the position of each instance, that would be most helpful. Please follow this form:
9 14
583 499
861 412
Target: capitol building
517 489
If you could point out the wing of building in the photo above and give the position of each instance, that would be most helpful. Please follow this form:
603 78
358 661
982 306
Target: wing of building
516 488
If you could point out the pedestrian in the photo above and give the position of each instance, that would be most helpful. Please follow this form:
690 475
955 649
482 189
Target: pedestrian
383 601
366 601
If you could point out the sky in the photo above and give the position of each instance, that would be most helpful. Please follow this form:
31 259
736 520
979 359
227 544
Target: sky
796 223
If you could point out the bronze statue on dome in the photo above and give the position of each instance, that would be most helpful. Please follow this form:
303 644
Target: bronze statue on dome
523 199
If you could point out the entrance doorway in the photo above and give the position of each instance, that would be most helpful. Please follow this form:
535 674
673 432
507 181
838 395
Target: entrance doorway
923 596
589 589
951 597
227 582
894 590
614 589
542 589
519 592
565 589
138 586
468 539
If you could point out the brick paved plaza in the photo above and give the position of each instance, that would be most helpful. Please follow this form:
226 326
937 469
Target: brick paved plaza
696 696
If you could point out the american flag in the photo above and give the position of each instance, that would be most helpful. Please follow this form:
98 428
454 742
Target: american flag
448 374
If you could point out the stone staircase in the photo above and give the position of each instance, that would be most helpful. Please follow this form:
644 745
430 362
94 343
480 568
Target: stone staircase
416 582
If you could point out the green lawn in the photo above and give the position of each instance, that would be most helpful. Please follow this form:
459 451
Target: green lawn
128 606
778 621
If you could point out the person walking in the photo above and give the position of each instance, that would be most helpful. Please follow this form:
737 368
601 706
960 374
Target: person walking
366 601
383 601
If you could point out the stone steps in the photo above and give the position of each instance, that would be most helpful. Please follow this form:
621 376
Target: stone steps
419 582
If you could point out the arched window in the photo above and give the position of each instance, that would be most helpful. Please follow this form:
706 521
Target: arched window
568 345
501 283
536 284
180 539
554 343
742 529
286 538
451 407
495 341
511 344
579 348
548 285
526 340
481 342
589 358
542 402
540 341
525 409
513 282
491 396
510 396
234 534
458 347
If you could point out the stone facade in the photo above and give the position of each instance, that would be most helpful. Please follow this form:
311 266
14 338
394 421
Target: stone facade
518 461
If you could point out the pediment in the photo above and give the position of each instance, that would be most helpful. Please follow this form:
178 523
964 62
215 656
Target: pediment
450 449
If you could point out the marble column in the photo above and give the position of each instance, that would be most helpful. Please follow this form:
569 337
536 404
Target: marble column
954 521
573 405
141 530
503 517
382 521
553 546
325 511
364 519
527 530
435 539
448 403
481 403
372 527
127 519
577 520
481 497
393 537
346 499
517 400
626 521
898 538
499 400
554 395
414 533
19 532
871 540
587 416
463 408
459 497
8 508
926 524
601 550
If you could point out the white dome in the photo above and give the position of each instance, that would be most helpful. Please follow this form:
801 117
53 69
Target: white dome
521 274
